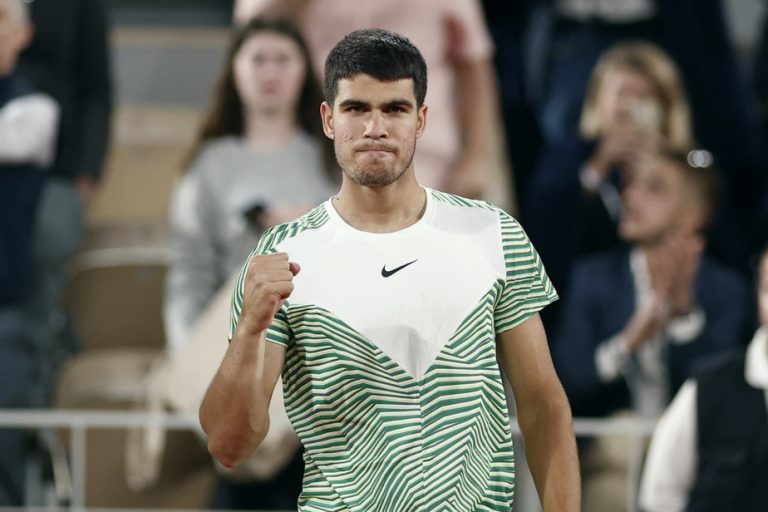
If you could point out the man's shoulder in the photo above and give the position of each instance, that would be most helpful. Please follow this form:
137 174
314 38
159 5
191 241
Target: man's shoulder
460 214
280 233
477 208
446 198
602 265
715 274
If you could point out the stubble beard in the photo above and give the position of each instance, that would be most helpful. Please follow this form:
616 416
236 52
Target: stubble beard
376 178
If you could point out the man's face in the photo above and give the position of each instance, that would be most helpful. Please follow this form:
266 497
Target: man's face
14 35
655 202
374 126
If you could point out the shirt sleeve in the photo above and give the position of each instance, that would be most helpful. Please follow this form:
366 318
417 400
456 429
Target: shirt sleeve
279 331
670 466
526 289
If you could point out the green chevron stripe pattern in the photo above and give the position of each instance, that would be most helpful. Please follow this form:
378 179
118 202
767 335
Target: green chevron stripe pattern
267 243
376 438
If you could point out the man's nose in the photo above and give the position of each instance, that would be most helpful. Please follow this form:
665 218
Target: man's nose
375 126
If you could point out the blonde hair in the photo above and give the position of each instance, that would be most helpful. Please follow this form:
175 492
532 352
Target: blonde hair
654 64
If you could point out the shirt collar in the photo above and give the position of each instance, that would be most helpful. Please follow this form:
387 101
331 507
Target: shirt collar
638 265
756 366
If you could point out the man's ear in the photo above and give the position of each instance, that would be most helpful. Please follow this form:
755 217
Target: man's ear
421 125
326 114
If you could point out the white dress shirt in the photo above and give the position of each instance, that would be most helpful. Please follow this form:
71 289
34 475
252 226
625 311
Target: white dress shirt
670 468
28 129
646 373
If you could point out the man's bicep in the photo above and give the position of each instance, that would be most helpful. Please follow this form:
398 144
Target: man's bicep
274 360
525 360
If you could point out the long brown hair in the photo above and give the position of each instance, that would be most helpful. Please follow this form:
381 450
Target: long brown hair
224 115
653 63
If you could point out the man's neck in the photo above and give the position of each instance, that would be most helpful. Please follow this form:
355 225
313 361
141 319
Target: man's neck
381 209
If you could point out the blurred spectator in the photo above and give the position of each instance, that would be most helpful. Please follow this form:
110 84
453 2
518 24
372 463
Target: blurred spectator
637 320
507 24
761 75
28 122
565 39
68 59
261 159
457 152
635 104
710 449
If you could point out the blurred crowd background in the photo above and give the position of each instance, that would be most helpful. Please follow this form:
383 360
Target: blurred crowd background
145 145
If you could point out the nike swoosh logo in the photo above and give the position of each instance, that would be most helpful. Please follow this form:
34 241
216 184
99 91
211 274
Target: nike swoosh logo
387 273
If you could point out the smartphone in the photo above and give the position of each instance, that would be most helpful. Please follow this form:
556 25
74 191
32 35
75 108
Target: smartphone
646 115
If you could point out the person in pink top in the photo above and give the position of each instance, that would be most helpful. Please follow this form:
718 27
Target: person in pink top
457 152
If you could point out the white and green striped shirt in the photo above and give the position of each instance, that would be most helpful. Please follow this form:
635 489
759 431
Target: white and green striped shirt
391 379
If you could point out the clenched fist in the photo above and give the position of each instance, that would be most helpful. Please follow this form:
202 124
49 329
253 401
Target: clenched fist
268 283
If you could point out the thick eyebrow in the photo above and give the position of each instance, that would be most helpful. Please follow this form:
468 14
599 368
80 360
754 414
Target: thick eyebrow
397 102
354 103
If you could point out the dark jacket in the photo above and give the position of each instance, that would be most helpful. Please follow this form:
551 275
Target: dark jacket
562 220
20 185
732 426
69 59
600 302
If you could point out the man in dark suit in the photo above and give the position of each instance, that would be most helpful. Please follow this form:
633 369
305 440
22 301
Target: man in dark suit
69 60
637 320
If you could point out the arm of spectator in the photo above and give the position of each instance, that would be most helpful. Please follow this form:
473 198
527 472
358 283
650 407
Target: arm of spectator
478 103
247 9
192 279
92 106
687 327
543 413
708 304
671 462
28 129
470 50
610 358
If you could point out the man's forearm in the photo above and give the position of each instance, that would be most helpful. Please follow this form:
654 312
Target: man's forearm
550 448
235 411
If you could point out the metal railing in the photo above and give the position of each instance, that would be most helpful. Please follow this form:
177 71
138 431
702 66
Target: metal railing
79 422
